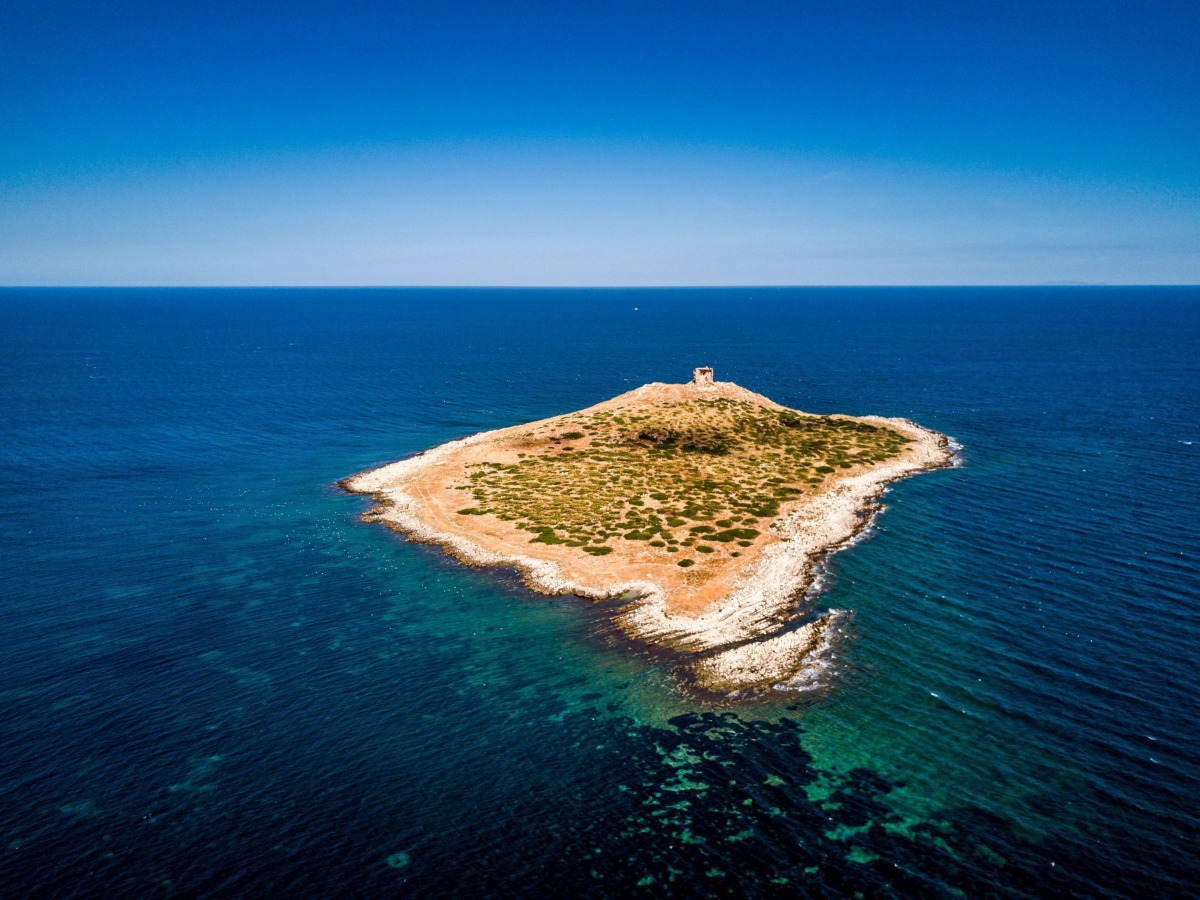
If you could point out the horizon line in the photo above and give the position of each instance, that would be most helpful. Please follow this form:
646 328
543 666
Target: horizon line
589 287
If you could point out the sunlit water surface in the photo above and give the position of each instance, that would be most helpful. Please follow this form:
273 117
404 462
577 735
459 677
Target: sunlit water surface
215 681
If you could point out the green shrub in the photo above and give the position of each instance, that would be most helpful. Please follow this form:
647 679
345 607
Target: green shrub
734 534
760 459
684 563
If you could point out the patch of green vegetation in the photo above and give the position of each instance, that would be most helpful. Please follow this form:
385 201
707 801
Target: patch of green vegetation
767 510
734 534
684 563
658 474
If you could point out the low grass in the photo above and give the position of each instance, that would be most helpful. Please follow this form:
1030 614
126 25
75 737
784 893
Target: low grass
666 475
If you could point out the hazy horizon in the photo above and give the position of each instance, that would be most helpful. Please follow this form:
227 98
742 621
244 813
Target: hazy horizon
604 145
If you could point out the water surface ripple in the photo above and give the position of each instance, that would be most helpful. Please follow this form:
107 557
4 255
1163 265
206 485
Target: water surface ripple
215 681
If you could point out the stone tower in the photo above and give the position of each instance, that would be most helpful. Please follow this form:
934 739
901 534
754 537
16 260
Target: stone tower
702 376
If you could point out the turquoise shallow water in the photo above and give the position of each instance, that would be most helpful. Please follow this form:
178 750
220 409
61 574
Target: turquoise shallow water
215 681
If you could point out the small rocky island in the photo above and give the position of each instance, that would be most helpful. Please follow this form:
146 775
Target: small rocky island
703 507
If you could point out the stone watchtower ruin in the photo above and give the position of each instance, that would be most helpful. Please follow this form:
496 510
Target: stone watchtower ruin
702 376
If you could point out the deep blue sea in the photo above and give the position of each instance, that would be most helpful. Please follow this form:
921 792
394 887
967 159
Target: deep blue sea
216 682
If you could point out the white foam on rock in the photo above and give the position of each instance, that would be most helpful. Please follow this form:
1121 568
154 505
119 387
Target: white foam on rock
773 659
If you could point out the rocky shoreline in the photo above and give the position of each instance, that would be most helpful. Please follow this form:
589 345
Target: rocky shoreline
746 639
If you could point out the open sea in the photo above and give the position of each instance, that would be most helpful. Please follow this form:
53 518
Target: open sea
216 682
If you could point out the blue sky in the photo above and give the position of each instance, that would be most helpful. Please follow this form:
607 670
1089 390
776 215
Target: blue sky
599 143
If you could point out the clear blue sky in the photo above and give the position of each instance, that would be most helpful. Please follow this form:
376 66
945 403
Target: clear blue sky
601 143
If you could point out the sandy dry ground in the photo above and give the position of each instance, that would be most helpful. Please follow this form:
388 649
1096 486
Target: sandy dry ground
737 615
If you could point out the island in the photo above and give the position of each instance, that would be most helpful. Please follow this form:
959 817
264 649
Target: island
702 508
